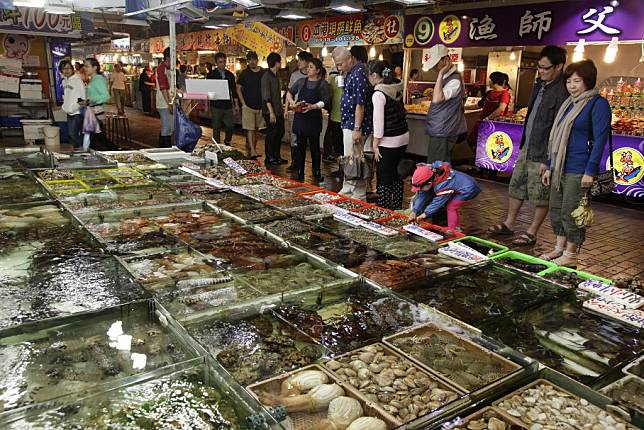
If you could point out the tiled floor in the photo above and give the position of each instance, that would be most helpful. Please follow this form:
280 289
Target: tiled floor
613 246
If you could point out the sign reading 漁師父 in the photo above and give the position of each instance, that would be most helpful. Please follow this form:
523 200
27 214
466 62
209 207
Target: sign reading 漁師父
26 20
357 29
554 23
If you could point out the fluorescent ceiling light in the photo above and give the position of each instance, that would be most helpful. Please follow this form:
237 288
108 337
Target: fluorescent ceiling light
59 7
29 3
247 3
415 2
293 14
343 6
216 24
258 18
191 12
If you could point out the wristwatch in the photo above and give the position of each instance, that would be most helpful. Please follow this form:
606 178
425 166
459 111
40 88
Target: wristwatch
357 128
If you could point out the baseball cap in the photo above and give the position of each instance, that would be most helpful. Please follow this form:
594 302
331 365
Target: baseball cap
422 176
436 52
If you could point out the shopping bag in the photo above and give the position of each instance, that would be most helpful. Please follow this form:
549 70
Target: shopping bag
584 215
352 166
186 132
90 122
87 139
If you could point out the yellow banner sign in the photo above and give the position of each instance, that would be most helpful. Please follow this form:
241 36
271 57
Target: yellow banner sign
257 37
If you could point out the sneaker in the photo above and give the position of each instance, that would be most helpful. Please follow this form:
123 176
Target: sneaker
329 159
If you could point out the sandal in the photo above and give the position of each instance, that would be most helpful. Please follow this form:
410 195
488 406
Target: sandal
556 253
524 239
500 230
567 259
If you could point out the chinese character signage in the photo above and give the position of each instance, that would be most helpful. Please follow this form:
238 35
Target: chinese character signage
207 40
358 29
538 24
38 22
287 31
122 44
257 37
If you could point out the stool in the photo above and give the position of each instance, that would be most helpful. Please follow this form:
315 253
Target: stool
117 129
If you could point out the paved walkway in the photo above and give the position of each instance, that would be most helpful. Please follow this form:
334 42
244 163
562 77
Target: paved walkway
613 248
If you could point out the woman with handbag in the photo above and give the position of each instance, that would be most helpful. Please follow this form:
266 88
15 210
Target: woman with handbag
577 141
97 94
390 133
313 95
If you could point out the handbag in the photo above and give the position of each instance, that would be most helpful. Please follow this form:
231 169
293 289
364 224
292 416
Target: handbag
90 123
604 182
357 166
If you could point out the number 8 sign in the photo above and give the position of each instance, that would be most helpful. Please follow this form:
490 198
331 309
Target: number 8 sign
305 33
423 30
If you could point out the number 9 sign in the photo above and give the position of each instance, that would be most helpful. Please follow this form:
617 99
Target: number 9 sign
423 30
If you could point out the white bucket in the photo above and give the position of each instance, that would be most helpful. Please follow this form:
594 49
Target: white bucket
52 137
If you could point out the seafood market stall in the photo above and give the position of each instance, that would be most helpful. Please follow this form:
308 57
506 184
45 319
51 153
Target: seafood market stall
162 289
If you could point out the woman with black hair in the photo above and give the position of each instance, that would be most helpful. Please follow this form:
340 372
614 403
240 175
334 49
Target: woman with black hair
390 134
97 94
497 99
313 95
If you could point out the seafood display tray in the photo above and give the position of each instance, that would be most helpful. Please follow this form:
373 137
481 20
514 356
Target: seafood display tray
186 394
636 368
51 360
579 273
436 413
525 258
488 411
552 379
511 370
633 407
308 421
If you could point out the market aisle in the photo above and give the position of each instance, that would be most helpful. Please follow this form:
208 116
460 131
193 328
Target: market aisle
613 248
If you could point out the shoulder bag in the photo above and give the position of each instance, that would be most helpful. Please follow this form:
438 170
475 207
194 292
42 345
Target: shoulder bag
356 166
604 182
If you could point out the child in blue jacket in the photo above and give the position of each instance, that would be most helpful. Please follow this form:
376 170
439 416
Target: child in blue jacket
437 185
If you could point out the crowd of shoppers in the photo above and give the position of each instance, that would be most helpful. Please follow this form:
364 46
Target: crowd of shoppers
367 123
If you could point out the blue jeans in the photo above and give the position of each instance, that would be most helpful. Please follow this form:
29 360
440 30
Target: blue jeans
166 122
75 130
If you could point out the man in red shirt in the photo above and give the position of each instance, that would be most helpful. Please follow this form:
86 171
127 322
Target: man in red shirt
164 104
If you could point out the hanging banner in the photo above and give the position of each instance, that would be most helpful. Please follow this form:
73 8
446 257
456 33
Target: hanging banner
358 29
257 37
535 24
38 22
498 145
59 50
158 44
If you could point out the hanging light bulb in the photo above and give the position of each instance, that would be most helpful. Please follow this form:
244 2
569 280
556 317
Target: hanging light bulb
264 64
611 51
578 53
460 66
237 66
513 56
380 57
372 52
324 52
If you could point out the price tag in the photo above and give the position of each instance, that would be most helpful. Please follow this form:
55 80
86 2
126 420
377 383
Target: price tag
244 192
616 311
334 209
349 219
619 295
380 229
235 166
426 234
210 155
460 253
192 170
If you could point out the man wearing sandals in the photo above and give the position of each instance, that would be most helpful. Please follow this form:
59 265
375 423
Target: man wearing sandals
548 94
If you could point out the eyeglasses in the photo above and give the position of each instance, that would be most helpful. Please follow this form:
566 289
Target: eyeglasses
546 68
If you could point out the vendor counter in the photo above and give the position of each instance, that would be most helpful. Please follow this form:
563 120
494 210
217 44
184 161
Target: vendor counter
498 149
418 140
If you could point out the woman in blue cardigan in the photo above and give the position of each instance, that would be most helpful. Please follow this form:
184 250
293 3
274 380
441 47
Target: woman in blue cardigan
573 162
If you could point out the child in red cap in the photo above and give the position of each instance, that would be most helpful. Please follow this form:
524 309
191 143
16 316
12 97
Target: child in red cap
437 185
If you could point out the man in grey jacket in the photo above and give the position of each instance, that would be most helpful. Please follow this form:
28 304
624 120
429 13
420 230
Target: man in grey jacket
446 115
547 96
